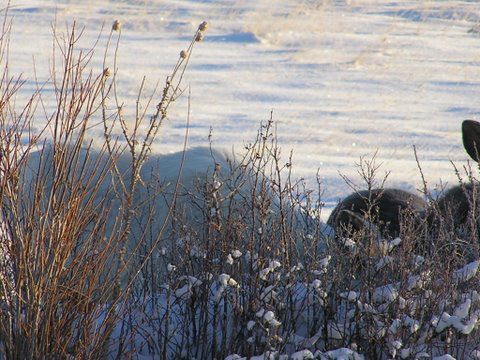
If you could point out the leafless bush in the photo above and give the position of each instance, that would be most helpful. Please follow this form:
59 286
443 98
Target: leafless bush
67 211
243 283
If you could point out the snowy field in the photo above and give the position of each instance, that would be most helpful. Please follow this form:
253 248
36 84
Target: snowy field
343 78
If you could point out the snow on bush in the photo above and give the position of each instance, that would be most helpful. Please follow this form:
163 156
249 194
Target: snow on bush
335 315
292 292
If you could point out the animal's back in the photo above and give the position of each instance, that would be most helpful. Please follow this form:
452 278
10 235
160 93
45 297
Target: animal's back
386 205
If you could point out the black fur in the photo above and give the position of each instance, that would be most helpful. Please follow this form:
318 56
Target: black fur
471 138
386 206
456 202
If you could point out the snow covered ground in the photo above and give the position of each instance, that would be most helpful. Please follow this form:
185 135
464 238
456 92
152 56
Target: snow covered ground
343 78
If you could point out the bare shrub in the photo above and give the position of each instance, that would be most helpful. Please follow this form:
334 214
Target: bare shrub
67 211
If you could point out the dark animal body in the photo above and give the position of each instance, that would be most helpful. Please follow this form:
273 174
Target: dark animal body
455 204
382 207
